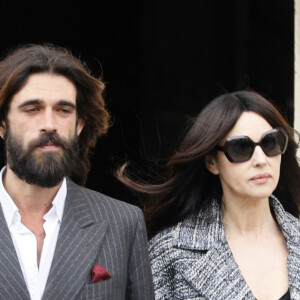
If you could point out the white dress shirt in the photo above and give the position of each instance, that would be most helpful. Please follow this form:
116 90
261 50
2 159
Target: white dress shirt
25 241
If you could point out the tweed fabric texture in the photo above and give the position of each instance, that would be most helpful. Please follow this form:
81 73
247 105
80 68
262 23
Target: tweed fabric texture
95 230
193 260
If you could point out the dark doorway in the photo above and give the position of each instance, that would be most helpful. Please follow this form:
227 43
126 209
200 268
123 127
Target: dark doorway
162 62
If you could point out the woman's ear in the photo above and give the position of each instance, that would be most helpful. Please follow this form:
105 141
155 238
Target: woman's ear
212 164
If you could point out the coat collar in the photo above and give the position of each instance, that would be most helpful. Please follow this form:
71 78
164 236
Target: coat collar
216 272
203 231
291 230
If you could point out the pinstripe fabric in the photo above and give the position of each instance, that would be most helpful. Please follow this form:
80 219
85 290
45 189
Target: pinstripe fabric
95 229
12 283
193 260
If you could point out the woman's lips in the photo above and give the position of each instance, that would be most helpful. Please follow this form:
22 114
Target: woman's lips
260 178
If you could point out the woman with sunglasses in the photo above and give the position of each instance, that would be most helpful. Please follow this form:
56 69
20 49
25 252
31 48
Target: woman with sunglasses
224 223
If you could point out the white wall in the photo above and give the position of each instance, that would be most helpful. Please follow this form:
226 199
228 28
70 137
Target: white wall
297 67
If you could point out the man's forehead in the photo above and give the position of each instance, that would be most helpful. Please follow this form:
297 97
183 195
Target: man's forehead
48 88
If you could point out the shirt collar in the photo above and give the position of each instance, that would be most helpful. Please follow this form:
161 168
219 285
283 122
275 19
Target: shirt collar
59 200
10 209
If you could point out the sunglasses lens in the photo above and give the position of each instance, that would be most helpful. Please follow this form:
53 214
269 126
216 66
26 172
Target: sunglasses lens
274 143
239 149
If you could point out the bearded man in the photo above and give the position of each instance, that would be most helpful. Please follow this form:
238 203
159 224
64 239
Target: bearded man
59 240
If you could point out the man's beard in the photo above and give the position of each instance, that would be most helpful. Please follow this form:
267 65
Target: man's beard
44 169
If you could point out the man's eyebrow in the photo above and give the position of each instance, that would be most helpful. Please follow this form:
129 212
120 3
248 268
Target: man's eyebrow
39 102
66 103
30 102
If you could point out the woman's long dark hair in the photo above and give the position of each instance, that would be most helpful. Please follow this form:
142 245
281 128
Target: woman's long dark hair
188 182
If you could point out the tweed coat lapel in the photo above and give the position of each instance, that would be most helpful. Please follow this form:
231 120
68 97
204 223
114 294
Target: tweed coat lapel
291 230
294 268
213 273
77 246
12 283
216 276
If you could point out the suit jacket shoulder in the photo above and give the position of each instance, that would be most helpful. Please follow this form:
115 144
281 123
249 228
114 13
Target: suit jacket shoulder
104 207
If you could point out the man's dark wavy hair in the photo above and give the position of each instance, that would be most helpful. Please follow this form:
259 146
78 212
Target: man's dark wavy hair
20 63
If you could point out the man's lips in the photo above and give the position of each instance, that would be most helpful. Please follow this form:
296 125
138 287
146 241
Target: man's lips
49 147
260 178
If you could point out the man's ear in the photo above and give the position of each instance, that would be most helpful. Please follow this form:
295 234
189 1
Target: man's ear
212 164
79 126
3 130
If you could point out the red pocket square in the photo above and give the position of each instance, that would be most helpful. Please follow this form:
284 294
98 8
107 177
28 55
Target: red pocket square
99 274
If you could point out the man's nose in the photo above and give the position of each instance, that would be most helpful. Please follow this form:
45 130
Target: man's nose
48 122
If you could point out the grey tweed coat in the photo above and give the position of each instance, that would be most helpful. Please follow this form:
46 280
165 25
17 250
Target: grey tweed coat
192 260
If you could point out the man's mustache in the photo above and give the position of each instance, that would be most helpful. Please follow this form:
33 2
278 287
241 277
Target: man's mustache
46 138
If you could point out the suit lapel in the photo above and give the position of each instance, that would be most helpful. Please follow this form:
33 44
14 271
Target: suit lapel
12 283
77 246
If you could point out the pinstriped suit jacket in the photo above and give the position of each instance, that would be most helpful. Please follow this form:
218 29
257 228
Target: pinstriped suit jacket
95 229
193 260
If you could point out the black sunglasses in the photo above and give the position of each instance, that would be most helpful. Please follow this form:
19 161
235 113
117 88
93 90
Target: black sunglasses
241 148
